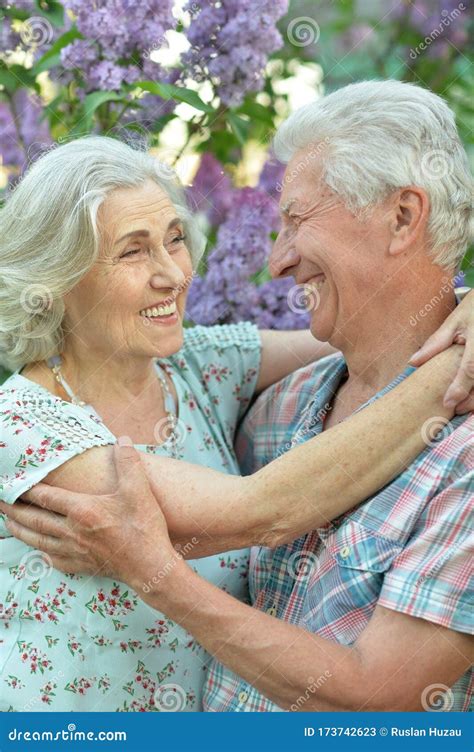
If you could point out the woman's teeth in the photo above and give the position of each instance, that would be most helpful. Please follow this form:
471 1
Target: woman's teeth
167 310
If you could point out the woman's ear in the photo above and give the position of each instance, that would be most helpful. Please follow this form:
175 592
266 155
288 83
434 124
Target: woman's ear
410 218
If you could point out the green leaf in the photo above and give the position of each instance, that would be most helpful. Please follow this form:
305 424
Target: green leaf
257 111
7 79
240 127
90 105
52 56
178 93
51 10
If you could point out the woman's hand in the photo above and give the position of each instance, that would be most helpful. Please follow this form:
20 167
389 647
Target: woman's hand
98 535
458 328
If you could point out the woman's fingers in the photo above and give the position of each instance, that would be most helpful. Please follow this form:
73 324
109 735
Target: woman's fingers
460 388
439 341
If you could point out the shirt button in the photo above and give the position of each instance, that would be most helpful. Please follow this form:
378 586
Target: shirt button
345 551
243 696
271 611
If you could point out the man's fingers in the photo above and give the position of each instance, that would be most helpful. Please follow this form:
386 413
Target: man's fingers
67 503
38 520
45 543
130 471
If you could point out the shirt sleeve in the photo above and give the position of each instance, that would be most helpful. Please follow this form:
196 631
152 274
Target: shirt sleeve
40 432
432 577
223 364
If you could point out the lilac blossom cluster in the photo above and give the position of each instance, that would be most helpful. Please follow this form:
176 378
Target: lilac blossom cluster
119 36
230 43
23 134
229 290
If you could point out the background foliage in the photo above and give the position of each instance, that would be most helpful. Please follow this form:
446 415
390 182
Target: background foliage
205 84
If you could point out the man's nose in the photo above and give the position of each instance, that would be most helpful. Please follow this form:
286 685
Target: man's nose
283 258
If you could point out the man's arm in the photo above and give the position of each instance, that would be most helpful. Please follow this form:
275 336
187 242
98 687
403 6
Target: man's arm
393 661
301 490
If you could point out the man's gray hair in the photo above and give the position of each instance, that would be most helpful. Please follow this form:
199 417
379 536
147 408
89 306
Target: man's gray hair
375 137
49 236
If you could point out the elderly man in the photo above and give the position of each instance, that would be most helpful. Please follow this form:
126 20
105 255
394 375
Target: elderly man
370 612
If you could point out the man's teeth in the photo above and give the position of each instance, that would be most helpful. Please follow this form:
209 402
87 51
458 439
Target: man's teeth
316 284
165 310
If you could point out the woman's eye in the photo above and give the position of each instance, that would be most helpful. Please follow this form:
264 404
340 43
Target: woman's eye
131 252
179 239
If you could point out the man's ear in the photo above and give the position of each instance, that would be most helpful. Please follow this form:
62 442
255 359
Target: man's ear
411 209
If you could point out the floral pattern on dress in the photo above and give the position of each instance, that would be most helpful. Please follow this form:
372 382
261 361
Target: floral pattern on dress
80 643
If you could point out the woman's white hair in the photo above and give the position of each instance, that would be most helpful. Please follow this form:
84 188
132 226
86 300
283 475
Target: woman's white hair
49 235
375 137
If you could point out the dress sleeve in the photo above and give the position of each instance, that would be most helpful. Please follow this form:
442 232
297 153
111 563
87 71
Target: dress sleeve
225 361
432 577
40 432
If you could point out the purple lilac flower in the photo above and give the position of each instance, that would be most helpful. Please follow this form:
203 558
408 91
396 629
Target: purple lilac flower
271 177
440 21
211 191
118 38
230 43
23 136
227 293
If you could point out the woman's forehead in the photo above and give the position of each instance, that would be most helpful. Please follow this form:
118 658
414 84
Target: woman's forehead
149 198
125 205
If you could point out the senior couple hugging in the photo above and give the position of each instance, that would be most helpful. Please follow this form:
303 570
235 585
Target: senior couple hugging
228 515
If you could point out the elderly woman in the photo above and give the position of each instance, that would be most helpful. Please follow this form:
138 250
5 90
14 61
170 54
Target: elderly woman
96 257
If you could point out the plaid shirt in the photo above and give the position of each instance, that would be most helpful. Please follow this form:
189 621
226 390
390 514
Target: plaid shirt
405 548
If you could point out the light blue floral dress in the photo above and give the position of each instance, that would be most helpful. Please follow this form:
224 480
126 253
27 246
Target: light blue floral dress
76 643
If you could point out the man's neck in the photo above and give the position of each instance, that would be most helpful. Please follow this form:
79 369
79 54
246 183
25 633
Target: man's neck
378 350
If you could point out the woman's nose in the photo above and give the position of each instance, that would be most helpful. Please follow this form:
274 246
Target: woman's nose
283 258
168 274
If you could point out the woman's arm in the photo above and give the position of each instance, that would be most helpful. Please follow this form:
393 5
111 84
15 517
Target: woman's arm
285 352
301 490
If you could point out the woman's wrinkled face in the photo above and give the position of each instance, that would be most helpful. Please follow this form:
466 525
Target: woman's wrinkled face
133 299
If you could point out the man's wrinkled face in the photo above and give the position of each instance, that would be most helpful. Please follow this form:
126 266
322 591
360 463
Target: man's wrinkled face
326 248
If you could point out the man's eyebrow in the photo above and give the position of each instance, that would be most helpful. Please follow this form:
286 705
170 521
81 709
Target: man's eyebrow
145 233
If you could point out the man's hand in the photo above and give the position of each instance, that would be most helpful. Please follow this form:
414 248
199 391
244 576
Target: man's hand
97 534
458 328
